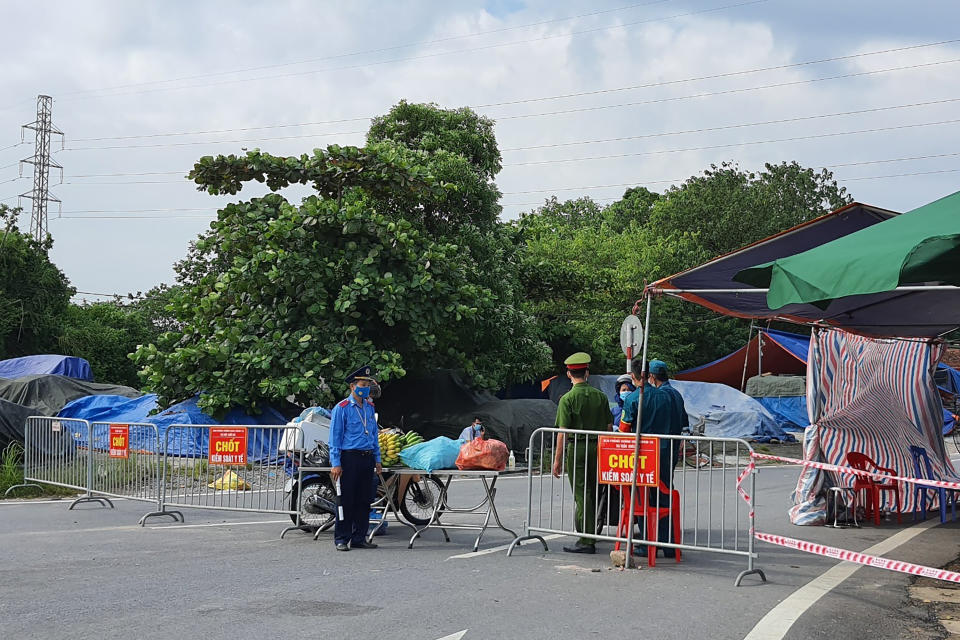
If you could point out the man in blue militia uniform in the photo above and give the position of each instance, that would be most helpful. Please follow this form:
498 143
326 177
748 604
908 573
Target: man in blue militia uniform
354 456
663 414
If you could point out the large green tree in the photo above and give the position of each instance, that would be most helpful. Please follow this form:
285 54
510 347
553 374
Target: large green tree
585 265
728 207
34 293
105 334
387 263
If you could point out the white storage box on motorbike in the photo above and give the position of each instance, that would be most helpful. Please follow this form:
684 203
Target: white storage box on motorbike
317 429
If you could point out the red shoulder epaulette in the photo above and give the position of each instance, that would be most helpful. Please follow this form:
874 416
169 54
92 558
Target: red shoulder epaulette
370 402
344 403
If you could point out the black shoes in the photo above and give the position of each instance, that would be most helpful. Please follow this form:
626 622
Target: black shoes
581 548
342 546
363 545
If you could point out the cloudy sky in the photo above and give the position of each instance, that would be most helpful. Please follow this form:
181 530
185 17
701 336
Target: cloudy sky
588 98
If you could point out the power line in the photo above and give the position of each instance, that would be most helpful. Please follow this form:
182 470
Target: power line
883 177
577 188
110 295
601 107
902 175
709 94
728 74
185 144
733 144
140 210
368 51
143 173
676 180
13 146
580 94
129 217
504 204
431 55
735 126
593 141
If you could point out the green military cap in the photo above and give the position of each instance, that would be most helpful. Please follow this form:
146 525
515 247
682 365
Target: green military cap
579 360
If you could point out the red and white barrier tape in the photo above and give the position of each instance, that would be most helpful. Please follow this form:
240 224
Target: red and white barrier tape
845 554
936 484
859 558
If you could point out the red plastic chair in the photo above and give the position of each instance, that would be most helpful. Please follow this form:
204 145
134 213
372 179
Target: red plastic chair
651 516
873 487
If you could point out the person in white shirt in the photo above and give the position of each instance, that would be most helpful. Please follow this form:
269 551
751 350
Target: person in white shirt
475 430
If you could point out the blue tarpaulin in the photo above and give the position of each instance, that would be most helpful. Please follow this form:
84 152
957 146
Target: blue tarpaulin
728 413
46 364
789 411
949 423
184 442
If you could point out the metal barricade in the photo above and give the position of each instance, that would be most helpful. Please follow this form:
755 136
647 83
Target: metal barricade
57 452
696 507
127 462
225 467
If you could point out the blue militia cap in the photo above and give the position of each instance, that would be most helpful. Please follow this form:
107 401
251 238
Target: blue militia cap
363 373
658 367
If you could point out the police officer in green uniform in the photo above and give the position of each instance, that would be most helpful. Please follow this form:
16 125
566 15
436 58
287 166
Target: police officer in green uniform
583 408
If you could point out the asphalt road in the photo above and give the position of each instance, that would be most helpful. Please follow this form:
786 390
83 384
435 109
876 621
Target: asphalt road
93 573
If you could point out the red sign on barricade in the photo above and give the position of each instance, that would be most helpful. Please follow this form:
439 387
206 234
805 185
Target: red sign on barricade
119 441
615 460
228 445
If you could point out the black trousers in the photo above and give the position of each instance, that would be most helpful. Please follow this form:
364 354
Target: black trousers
356 487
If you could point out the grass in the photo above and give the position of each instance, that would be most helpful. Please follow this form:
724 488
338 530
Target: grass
11 474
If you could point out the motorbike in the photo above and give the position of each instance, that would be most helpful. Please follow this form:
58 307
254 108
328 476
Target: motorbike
313 497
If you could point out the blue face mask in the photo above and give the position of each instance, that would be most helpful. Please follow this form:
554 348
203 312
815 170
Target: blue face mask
362 392
624 394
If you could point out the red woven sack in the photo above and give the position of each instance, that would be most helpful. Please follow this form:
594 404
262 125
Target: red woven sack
489 455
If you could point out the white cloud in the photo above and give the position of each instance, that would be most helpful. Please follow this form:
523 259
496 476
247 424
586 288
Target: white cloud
106 44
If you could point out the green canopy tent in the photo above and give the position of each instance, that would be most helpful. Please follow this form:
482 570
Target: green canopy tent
897 278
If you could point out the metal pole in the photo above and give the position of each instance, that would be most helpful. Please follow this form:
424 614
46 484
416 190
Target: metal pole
746 359
636 440
760 352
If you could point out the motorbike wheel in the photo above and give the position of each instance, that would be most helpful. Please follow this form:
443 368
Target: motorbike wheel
419 499
310 488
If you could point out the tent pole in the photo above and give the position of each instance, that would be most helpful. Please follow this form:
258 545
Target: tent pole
760 352
746 359
636 437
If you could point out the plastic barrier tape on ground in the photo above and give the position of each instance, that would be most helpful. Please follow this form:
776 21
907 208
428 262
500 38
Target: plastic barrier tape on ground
845 554
859 558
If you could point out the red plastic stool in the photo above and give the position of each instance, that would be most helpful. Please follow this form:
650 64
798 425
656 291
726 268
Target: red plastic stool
651 516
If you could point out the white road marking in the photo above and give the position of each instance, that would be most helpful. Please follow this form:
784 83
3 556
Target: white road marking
781 618
503 547
134 527
216 524
13 503
455 636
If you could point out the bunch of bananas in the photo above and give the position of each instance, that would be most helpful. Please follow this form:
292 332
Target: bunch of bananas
409 439
389 448
392 442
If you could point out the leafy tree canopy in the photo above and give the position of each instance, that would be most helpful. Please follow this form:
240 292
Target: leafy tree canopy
585 265
386 264
34 293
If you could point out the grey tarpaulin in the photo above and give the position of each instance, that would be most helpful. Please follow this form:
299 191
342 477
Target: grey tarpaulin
44 395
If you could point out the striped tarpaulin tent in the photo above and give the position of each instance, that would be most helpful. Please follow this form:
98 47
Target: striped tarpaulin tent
877 397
